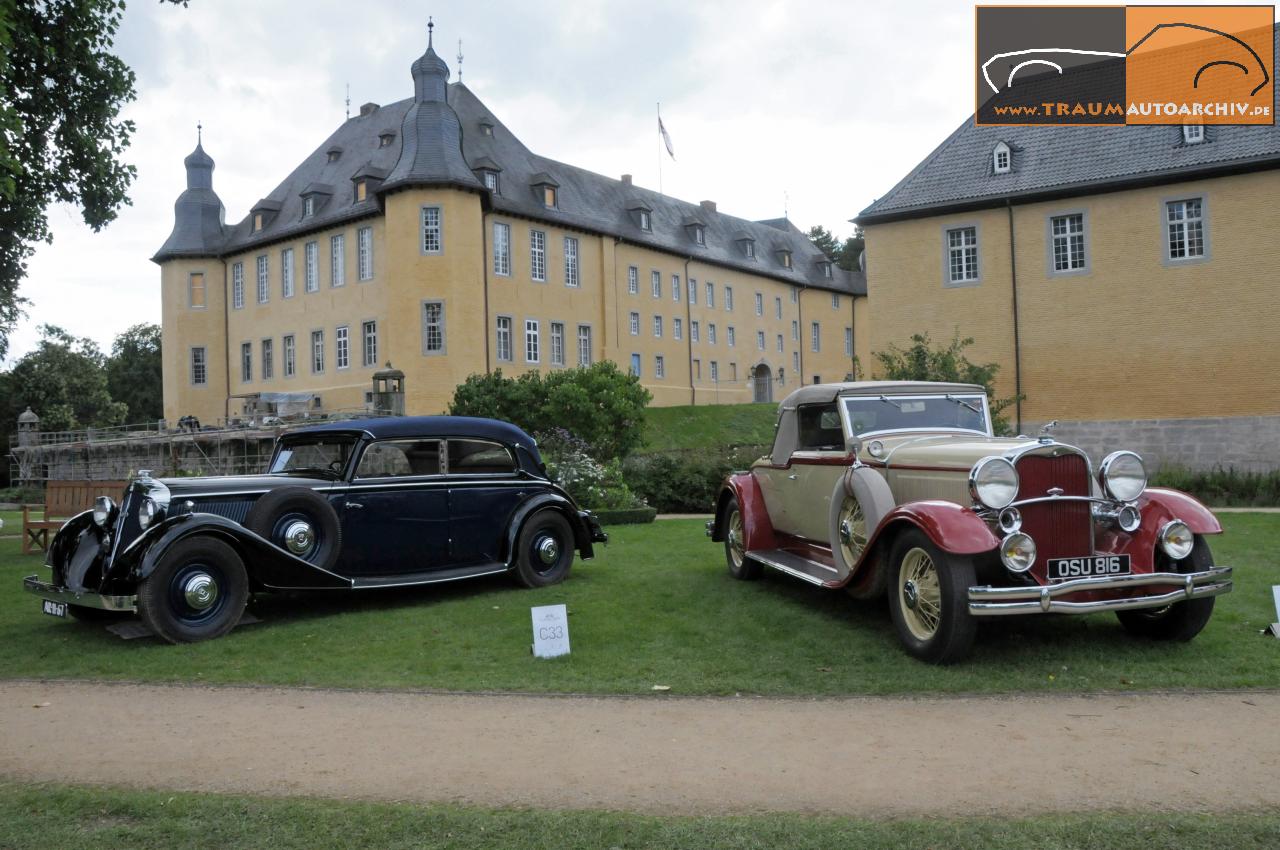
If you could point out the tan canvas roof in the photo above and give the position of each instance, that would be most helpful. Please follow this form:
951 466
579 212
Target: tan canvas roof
821 393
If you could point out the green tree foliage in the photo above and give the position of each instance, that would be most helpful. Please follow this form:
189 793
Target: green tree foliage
64 381
843 254
599 404
133 373
922 361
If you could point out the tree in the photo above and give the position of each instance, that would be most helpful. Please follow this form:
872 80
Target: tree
825 241
922 362
843 254
61 138
134 373
64 381
852 249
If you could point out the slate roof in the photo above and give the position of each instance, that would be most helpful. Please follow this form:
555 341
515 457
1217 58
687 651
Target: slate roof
1061 161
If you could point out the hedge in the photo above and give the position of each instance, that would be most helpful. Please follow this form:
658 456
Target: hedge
625 516
685 482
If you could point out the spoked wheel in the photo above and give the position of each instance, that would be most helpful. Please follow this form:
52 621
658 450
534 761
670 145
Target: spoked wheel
198 592
851 531
928 600
735 545
1180 621
544 550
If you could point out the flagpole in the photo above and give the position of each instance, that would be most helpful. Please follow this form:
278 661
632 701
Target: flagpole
659 147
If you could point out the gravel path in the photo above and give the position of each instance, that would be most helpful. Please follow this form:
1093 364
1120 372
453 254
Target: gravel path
861 756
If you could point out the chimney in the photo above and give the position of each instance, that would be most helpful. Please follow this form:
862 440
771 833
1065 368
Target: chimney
368 109
709 206
626 180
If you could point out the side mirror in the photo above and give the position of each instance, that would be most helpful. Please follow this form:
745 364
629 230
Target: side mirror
852 445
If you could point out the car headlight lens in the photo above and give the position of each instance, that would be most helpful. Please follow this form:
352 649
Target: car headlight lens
1177 539
1018 552
1123 476
147 513
994 482
102 508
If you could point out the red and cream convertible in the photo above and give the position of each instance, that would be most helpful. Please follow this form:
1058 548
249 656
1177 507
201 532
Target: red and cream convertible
901 488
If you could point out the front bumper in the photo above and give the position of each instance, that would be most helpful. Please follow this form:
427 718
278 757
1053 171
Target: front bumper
85 599
997 601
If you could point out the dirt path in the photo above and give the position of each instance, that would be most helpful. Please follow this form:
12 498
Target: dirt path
865 756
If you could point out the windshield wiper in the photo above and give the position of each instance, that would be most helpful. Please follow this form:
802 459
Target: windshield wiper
963 403
888 400
328 473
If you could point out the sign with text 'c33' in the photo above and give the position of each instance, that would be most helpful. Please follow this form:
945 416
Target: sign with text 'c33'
550 631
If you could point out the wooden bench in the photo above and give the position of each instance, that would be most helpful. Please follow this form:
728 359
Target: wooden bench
62 501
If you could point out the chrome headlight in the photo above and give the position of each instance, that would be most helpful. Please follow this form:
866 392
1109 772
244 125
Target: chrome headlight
993 482
102 508
1176 539
1123 477
147 512
1018 552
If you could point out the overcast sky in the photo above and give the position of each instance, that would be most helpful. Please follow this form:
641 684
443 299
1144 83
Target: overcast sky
818 106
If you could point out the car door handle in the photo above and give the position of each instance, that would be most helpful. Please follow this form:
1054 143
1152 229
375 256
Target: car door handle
791 477
354 505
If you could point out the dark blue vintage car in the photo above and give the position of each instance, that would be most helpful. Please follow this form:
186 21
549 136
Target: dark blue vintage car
345 506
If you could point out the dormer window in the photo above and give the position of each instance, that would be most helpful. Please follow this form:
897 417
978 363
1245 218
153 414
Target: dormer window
385 139
749 248
1001 158
314 196
257 222
490 180
700 235
784 257
334 154
486 127
826 270
1193 134
646 220
545 189
362 190
549 197
308 207
262 213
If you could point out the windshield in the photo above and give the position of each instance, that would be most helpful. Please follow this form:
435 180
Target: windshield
867 414
325 454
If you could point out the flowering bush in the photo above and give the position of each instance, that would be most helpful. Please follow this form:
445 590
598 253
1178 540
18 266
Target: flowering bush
591 483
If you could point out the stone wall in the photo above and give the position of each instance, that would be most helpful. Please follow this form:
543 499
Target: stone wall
1245 443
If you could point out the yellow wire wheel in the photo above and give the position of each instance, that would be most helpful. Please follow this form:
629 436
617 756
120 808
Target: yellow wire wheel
920 594
851 530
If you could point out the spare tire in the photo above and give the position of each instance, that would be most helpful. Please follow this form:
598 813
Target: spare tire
301 522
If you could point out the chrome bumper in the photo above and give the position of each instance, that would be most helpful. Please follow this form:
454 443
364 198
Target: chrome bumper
87 599
997 601
711 528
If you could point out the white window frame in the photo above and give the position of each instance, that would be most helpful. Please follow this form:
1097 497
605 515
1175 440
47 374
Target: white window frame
633 280
637 363
693 291
237 286
659 367
267 358
369 343
1001 158
760 340
433 328
961 255
711 333
815 337
1067 238
532 341
537 255
572 276
432 219
633 323
502 249
1192 134
557 343
342 347
364 253
1188 226
711 295
795 330
657 327
311 266
337 260
317 352
286 273
835 301
759 303
289 353
715 372
199 372
264 278
695 331
585 353
502 339
191 291
677 328
777 307
848 341
731 336
728 298
781 344
655 283
675 288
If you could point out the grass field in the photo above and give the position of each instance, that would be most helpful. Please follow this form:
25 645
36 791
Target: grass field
656 607
62 818
710 427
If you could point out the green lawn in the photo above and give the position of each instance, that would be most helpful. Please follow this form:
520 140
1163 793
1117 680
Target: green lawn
657 607
708 426
62 818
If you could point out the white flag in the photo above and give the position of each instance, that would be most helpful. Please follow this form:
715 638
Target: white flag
666 139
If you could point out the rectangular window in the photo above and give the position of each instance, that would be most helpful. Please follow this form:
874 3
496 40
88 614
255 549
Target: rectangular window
795 330
237 285
1067 232
433 327
504 338
659 367
584 345
557 343
571 262
677 328
815 336
795 295
501 248
342 347
286 273
731 336
432 243
759 303
693 291
364 247
369 333
715 372
777 307
728 299
290 349
199 367
760 340
337 260
311 262
733 372
962 254
538 255
246 362
317 352
308 206
633 280
780 347
848 342
532 341
657 326
697 369
795 361
711 294
635 365
1186 228
675 288
835 301
268 360
694 331
655 283
635 324
711 334
491 181
195 290
264 285
362 191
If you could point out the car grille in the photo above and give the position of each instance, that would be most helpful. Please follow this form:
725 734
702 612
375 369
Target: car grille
1060 529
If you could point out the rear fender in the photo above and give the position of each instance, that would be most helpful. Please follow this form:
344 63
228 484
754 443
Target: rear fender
755 516
565 507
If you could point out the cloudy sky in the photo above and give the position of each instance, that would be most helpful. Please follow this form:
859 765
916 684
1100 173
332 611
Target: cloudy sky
818 106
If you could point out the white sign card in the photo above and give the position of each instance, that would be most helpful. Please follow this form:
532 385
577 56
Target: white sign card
1275 593
550 631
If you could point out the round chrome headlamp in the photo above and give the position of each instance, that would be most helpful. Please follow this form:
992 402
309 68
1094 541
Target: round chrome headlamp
1129 519
993 482
1018 552
1010 520
147 512
1176 539
102 508
1123 476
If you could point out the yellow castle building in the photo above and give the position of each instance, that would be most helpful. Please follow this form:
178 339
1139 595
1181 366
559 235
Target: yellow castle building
424 234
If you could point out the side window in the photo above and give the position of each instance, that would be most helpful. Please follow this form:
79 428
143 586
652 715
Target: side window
388 458
819 428
479 457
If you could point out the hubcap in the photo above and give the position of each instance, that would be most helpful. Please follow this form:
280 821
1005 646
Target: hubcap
852 531
548 550
734 538
298 537
920 593
910 595
200 591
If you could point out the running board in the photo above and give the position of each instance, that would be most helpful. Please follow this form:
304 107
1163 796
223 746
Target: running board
795 565
426 576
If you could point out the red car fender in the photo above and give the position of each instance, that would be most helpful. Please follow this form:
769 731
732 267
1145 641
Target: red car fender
755 516
1157 506
950 527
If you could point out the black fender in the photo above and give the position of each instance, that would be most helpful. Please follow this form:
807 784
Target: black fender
266 563
64 541
561 503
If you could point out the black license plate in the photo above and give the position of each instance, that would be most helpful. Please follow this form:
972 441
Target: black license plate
1090 566
54 609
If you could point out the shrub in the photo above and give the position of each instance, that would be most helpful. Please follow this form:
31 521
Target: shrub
592 484
685 482
626 516
598 403
1223 487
